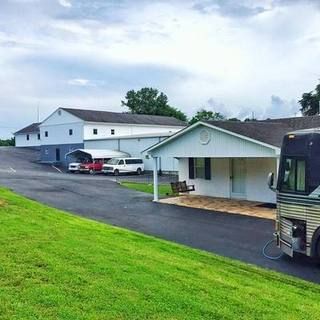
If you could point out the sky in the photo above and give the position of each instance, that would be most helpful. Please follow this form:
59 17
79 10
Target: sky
230 56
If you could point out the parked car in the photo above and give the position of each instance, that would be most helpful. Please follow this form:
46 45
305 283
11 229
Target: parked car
74 167
92 167
123 165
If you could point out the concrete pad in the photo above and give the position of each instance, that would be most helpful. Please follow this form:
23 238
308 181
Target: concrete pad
248 208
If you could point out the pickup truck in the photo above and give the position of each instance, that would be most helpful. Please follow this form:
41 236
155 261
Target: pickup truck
92 167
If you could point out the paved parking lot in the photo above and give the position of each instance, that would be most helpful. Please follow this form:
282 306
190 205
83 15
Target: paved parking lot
100 198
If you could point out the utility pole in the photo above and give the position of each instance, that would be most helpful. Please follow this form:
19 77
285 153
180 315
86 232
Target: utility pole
38 112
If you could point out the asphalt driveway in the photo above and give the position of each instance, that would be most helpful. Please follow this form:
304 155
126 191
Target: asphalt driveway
99 198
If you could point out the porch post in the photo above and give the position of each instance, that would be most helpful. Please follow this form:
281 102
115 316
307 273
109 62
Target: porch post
155 180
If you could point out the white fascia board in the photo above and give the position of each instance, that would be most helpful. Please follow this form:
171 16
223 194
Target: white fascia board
134 124
187 129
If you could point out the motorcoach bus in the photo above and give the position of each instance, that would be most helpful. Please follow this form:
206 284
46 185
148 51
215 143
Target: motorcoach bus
298 193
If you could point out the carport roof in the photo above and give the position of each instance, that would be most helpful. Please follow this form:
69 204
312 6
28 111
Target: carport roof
99 154
32 128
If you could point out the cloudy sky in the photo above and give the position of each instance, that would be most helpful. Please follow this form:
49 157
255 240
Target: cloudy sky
230 56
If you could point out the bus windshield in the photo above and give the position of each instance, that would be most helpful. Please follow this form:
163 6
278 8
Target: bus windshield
294 175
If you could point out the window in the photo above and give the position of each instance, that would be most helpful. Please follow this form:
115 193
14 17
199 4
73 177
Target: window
70 132
46 134
39 137
95 131
294 175
28 137
133 161
112 132
121 162
199 168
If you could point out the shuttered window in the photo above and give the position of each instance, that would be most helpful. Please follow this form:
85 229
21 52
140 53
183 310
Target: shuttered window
191 168
200 168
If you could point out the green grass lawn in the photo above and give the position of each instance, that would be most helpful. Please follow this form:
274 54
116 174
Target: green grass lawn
54 265
164 189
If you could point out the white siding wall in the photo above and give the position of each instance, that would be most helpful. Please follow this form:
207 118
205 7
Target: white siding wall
58 126
220 186
257 173
59 134
220 145
21 140
104 130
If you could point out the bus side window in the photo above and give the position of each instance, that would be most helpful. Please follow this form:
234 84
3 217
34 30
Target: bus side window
289 175
301 175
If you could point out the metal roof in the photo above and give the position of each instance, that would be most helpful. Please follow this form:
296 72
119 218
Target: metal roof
98 154
128 118
32 128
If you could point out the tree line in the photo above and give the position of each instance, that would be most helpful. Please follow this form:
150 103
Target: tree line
151 101
7 142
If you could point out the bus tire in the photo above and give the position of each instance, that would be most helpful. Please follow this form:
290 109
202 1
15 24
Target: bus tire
139 171
116 172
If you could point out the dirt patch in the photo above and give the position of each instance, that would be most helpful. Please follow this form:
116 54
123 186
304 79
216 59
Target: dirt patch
248 208
2 203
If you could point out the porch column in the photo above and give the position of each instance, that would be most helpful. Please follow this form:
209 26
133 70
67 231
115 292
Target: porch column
155 179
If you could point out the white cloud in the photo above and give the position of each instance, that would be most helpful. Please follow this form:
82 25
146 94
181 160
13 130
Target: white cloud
79 82
238 60
65 3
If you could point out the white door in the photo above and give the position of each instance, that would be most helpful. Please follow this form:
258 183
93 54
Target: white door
238 178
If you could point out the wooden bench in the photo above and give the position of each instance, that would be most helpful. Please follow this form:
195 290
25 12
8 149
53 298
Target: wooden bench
181 187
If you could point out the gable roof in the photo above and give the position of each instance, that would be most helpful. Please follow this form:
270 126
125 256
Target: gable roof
32 128
267 132
128 118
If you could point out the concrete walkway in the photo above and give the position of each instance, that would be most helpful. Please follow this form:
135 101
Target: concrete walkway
243 207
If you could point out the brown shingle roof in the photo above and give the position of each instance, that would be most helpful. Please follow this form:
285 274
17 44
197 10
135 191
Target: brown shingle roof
32 128
268 131
116 117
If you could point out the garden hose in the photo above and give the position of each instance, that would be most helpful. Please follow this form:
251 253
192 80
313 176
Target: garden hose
268 256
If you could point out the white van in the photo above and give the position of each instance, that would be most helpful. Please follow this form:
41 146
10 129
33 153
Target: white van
123 165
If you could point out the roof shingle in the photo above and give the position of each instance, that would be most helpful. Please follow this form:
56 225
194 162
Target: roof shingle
268 131
129 118
32 128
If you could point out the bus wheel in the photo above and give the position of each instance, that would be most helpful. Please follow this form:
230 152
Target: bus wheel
116 172
317 251
139 171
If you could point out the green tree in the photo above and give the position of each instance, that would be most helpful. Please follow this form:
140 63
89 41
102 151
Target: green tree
7 142
205 115
150 101
310 102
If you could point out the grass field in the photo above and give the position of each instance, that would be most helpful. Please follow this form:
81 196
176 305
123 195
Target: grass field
54 265
164 189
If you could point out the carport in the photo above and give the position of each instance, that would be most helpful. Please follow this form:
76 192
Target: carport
93 154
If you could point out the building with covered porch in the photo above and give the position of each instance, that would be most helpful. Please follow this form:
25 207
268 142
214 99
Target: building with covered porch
229 159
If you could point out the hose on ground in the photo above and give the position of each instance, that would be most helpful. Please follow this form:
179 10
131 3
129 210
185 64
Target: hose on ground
264 249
